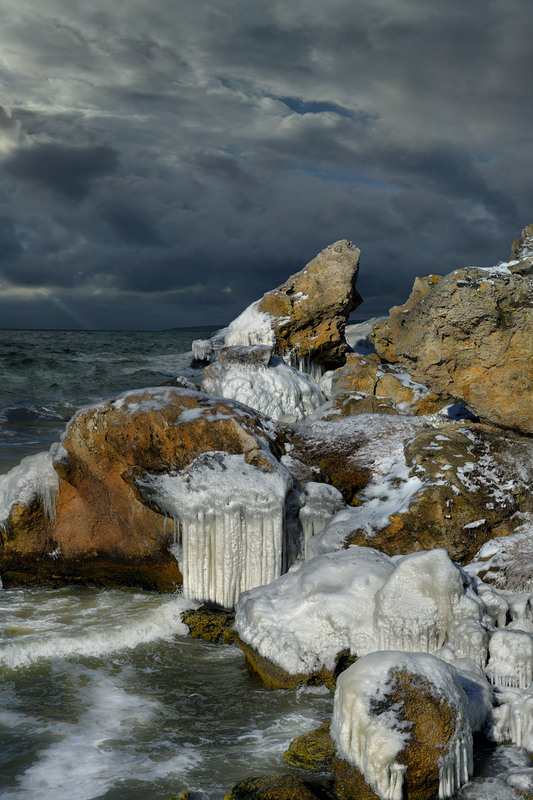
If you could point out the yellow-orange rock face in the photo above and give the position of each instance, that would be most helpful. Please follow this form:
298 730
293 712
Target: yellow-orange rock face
468 335
103 533
309 311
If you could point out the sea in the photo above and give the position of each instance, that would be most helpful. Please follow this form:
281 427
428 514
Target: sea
103 694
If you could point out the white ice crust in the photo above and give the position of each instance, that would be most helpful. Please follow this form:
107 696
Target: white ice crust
372 741
34 478
304 619
318 504
228 522
250 327
357 599
277 390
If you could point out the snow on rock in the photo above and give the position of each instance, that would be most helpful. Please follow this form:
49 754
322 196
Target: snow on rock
231 516
511 658
318 503
507 561
250 327
416 606
302 621
276 390
34 478
357 335
375 729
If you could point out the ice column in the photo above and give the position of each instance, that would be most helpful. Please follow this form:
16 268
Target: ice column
231 516
319 503
470 639
521 720
511 658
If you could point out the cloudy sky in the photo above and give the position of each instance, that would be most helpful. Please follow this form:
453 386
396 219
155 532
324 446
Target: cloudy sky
165 162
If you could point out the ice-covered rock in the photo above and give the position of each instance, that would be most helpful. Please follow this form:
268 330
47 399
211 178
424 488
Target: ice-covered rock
507 561
304 319
365 381
108 529
511 658
417 604
358 601
401 720
302 621
34 479
274 388
228 521
318 504
439 484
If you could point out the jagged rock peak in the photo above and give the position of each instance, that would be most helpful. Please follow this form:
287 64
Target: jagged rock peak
523 247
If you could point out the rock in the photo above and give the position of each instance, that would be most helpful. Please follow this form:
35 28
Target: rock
400 728
212 624
103 531
272 676
468 335
523 247
313 751
507 562
366 384
251 356
277 787
304 319
457 486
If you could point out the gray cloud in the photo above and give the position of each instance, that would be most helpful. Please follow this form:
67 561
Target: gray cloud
167 166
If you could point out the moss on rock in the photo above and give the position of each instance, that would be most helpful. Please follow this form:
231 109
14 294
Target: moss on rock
313 751
212 624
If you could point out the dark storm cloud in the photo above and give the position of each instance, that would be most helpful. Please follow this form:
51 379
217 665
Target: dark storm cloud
218 146
66 170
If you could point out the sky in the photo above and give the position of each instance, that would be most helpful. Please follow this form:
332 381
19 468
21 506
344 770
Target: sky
163 163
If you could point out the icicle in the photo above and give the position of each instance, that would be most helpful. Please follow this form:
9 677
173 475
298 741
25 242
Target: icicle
511 659
470 639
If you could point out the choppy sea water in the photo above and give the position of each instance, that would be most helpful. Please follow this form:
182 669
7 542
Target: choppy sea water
103 695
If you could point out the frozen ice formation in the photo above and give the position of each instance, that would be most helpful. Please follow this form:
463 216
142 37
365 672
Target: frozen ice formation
319 502
277 390
362 600
304 619
370 732
417 604
34 478
511 658
228 521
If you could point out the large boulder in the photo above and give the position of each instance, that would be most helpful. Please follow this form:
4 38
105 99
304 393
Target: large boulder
400 726
95 512
304 319
468 335
454 485
366 384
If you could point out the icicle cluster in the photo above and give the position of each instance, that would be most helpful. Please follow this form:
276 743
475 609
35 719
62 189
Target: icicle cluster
457 766
231 518
511 658
34 477
319 502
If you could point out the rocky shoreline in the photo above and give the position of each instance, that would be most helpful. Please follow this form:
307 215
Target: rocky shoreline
367 515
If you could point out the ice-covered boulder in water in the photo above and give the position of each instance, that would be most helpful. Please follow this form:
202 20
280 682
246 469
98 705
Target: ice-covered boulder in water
273 388
305 619
229 522
304 319
319 502
400 723
108 528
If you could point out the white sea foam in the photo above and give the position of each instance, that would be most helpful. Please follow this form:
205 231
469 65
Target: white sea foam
97 625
